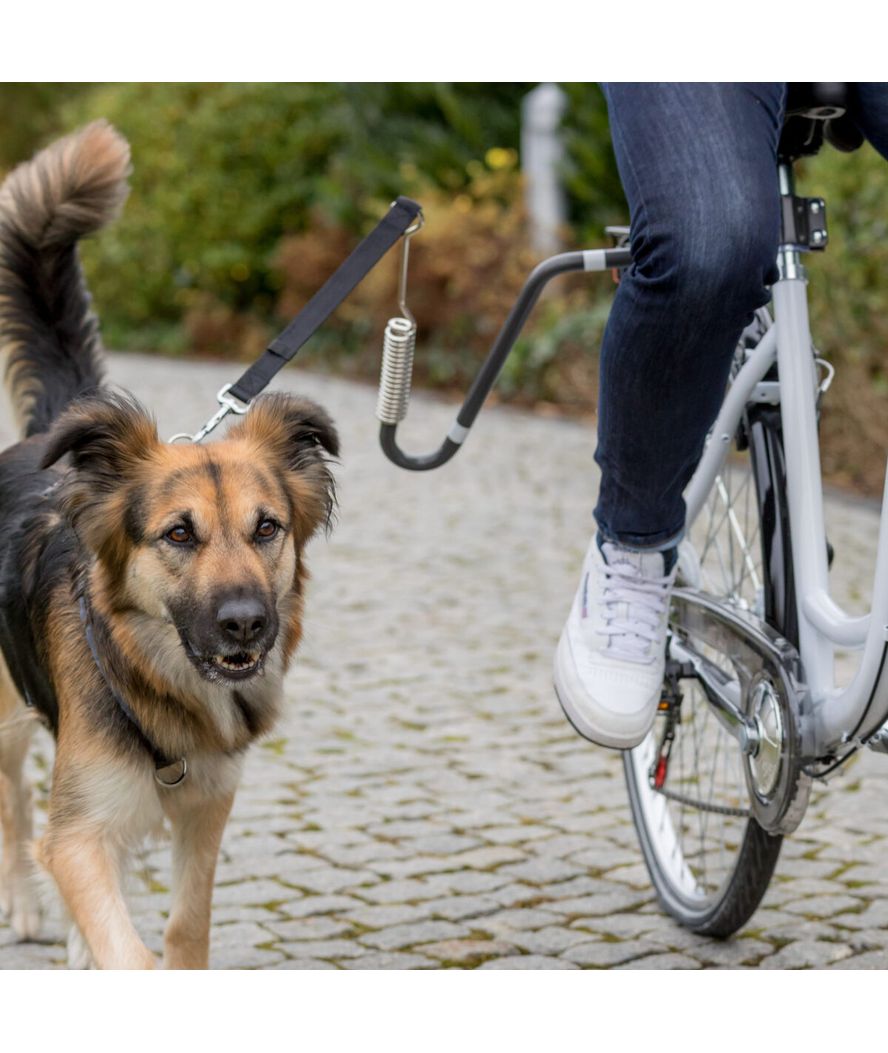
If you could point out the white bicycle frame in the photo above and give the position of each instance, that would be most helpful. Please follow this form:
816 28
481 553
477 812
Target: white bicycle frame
854 713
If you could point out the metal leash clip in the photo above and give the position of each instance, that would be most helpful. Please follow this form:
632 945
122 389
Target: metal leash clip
227 404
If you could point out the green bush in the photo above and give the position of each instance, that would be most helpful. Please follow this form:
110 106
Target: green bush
848 292
30 116
595 194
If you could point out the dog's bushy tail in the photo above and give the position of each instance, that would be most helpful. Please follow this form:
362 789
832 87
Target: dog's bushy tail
47 330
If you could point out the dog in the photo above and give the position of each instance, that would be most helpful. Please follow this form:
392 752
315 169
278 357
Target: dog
151 595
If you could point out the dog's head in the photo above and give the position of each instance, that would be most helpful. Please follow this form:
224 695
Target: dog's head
207 539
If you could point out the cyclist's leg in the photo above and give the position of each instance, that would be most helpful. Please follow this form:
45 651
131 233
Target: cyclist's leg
871 114
698 164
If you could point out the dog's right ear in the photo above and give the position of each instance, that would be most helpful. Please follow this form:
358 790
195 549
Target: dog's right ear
108 438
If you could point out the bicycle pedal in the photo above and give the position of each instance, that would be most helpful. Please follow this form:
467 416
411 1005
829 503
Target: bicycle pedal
676 671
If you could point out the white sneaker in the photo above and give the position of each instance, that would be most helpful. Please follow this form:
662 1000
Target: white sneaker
611 656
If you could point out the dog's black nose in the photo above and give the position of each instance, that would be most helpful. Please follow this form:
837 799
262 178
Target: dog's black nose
242 620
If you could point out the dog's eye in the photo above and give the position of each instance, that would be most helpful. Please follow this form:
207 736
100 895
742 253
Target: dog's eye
267 529
179 535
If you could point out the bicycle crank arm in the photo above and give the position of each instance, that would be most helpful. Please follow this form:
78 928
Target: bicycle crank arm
758 693
723 693
394 382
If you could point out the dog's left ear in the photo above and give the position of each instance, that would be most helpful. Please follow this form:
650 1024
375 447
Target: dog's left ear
298 434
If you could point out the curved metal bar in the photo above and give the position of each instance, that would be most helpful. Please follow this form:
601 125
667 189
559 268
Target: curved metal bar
415 463
829 618
486 377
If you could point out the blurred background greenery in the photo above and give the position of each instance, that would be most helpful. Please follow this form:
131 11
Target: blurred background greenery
246 196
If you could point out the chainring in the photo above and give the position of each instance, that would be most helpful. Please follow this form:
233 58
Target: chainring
774 699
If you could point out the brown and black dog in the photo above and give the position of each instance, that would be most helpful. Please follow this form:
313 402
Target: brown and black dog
151 595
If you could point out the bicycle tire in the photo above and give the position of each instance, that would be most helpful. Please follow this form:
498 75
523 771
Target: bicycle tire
718 901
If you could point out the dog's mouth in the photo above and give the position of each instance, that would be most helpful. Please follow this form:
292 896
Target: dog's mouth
237 666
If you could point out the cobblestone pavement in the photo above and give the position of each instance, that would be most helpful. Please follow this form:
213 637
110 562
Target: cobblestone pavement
424 804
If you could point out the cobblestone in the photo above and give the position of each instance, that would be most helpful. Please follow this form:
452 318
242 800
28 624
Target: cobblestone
391 961
805 954
516 920
465 952
528 961
550 940
318 928
663 961
733 953
601 954
397 937
423 803
329 950
457 908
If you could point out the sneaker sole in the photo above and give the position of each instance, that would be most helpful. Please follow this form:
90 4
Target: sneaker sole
580 721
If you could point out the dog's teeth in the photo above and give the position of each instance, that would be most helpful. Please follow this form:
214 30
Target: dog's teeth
228 662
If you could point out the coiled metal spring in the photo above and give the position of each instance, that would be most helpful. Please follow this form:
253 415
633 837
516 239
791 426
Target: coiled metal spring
398 345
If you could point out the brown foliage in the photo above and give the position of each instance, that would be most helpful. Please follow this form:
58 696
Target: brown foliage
466 268
214 329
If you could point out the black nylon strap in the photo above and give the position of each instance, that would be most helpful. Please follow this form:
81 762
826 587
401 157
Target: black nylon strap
325 301
161 760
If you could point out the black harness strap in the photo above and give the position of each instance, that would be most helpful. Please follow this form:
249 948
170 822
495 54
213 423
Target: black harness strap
168 771
325 301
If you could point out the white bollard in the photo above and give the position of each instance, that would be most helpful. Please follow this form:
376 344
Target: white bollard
542 152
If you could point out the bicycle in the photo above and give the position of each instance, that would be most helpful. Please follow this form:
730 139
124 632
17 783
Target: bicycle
749 714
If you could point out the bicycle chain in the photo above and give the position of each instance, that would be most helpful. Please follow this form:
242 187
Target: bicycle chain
719 809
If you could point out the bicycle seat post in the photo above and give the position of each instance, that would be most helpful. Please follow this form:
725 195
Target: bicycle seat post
789 258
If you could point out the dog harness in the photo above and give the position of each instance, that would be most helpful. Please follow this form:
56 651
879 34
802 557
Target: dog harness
167 772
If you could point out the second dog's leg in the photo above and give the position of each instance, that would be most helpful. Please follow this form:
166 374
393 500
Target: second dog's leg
197 834
18 897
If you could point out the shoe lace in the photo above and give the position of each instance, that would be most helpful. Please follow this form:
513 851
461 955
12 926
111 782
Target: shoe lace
634 609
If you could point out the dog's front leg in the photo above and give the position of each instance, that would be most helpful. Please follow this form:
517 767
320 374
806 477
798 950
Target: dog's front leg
197 828
86 871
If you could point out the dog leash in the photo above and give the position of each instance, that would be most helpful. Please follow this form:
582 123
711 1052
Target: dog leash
236 397
167 772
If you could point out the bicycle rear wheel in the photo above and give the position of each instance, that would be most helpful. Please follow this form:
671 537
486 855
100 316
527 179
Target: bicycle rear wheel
709 860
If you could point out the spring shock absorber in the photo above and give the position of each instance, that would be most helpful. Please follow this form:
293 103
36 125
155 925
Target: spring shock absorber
398 345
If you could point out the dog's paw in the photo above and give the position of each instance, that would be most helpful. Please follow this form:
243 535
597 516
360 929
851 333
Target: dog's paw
20 903
25 918
79 956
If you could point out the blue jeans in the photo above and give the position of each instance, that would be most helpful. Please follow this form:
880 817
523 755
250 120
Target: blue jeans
699 168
